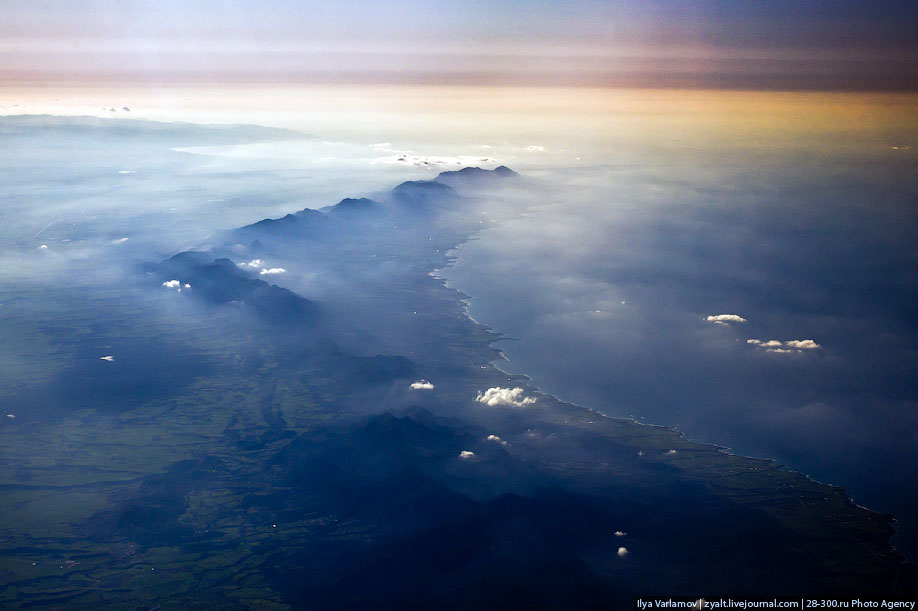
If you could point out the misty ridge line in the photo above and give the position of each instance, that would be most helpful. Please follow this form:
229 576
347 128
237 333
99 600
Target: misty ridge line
411 200
218 277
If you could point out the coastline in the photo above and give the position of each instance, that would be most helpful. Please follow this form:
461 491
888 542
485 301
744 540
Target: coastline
440 274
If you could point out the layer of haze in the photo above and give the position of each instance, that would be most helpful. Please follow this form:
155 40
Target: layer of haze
654 210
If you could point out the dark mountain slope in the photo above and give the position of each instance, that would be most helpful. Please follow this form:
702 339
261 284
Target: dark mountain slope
220 281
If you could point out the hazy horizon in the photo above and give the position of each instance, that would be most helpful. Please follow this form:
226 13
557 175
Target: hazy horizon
786 45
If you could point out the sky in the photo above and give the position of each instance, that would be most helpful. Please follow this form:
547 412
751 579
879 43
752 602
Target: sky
783 44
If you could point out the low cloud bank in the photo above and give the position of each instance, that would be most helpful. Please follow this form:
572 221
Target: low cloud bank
407 157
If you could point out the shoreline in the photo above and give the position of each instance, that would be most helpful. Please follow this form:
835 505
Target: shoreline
450 259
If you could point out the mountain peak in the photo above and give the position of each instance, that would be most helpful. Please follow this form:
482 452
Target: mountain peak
427 185
475 176
352 205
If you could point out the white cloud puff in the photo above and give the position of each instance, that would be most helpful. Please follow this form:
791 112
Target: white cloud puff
762 344
176 284
466 454
273 271
671 453
108 358
620 533
622 552
422 385
786 347
504 396
725 319
536 147
254 263
119 241
802 344
496 439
